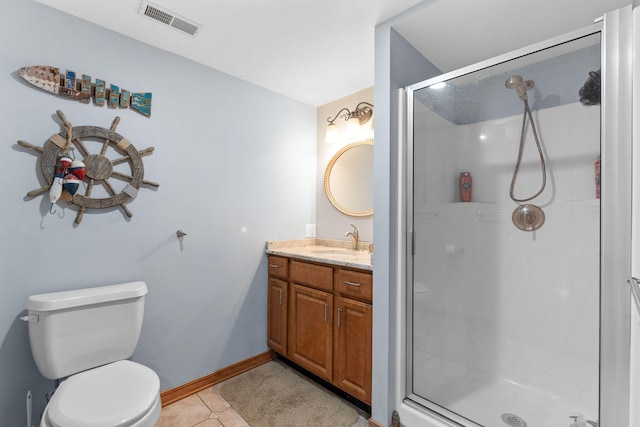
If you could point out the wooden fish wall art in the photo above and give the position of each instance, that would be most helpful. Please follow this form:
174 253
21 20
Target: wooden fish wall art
71 86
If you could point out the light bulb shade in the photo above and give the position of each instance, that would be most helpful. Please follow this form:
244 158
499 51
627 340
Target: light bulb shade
353 131
332 135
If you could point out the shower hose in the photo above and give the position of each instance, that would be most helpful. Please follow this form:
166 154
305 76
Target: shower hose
527 113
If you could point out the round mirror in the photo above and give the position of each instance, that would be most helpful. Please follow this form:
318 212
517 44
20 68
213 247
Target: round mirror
348 179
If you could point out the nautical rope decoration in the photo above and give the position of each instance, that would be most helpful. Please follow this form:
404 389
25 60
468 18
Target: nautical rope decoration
64 174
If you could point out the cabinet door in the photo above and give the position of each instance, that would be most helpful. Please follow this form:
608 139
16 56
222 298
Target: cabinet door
352 369
277 316
311 330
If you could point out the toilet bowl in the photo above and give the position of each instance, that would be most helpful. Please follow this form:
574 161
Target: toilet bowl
87 336
120 394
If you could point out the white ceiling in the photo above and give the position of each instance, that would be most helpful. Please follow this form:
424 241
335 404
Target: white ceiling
317 51
456 33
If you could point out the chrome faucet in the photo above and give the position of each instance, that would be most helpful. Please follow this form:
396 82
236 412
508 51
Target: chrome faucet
354 236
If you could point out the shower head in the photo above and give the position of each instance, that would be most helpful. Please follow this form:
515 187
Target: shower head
513 82
520 85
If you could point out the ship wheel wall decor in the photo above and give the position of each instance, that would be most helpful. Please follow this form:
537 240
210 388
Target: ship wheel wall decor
99 167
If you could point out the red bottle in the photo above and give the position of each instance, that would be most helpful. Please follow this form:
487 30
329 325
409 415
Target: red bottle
465 186
598 178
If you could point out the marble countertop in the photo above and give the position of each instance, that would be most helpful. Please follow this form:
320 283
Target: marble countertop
336 252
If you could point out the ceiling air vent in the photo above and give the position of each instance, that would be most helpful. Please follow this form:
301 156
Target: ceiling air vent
166 17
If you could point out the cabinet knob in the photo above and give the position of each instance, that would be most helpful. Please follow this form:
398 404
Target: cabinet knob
339 312
326 308
352 283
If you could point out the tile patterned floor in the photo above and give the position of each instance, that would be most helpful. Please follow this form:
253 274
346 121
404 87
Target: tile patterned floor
204 409
209 409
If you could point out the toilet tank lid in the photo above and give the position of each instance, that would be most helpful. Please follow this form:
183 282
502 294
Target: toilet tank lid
87 296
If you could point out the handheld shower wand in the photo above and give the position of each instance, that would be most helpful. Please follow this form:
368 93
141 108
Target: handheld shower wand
527 217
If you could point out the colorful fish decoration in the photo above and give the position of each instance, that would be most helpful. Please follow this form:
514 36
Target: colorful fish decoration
72 86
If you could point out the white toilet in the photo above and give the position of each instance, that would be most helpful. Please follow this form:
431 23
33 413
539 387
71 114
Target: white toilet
87 335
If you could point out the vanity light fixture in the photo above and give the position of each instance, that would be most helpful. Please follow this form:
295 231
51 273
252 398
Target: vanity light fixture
355 119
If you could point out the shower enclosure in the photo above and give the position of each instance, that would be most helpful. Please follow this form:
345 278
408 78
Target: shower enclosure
503 301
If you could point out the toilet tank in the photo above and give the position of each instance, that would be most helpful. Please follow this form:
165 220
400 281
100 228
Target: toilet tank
72 331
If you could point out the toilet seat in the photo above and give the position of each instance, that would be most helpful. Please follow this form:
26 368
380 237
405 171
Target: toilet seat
113 395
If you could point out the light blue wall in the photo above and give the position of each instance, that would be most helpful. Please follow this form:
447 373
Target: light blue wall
226 152
398 64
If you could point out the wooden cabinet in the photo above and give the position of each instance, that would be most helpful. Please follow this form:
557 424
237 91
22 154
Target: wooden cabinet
311 330
353 348
320 317
277 316
277 304
278 267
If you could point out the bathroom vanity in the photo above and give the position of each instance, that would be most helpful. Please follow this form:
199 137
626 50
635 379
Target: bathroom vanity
320 310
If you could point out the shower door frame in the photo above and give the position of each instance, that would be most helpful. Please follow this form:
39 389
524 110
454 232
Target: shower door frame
615 224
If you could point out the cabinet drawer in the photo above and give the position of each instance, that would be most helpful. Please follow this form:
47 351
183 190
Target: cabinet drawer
278 266
318 276
355 284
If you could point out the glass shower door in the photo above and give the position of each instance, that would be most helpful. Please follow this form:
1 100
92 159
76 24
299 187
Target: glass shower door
503 304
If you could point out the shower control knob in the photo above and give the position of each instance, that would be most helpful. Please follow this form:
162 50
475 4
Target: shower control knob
528 217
